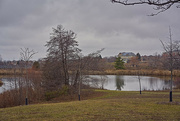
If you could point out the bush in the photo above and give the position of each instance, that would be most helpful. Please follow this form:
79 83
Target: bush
53 94
50 95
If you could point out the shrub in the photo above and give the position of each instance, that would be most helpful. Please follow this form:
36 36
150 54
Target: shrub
56 93
50 95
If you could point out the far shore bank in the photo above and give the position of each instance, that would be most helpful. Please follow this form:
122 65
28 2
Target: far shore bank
138 72
15 71
108 72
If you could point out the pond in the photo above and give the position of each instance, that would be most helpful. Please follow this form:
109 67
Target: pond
109 82
11 83
131 83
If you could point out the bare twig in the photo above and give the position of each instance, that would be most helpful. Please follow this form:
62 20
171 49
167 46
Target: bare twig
160 5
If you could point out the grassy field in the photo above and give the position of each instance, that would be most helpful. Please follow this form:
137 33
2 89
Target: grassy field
110 105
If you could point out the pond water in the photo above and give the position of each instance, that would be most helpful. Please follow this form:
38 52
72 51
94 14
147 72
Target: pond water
11 83
131 83
109 82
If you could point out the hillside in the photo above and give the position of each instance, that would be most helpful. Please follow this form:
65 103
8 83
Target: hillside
112 105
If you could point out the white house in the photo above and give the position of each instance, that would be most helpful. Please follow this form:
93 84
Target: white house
126 56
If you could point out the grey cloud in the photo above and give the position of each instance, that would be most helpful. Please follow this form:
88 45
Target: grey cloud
98 24
13 11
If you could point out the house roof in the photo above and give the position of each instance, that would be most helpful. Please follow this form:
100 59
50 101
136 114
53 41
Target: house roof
127 54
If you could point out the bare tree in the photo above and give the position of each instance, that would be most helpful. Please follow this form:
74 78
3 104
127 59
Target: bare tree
64 65
171 57
62 59
160 5
26 55
91 62
134 61
155 62
83 64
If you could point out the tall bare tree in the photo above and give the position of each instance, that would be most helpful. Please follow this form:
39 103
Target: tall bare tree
171 57
160 5
91 62
26 55
62 50
64 65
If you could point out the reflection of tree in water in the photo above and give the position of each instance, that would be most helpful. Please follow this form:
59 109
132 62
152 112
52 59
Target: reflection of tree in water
103 80
154 82
119 82
176 82
96 81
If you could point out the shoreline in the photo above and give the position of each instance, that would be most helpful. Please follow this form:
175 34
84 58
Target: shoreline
138 72
142 72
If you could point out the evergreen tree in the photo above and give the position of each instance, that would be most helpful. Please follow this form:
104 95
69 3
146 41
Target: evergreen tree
36 65
119 63
138 56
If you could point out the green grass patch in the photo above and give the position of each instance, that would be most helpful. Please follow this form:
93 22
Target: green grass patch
112 105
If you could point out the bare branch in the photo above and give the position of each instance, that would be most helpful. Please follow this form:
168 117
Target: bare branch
160 5
149 2
164 47
27 54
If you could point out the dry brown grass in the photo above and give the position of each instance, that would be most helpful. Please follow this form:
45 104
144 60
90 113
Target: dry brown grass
154 72
17 71
10 71
135 72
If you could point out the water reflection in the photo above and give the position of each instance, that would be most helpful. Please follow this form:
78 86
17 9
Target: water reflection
119 82
11 83
110 82
131 83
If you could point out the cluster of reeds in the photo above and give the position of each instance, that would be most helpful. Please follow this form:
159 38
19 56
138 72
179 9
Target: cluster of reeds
139 72
11 71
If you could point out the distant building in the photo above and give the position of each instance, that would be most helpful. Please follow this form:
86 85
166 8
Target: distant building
126 56
15 64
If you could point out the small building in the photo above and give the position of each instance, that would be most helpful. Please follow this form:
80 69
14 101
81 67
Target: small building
126 56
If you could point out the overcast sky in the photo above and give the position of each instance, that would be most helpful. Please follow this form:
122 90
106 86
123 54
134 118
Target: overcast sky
97 23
